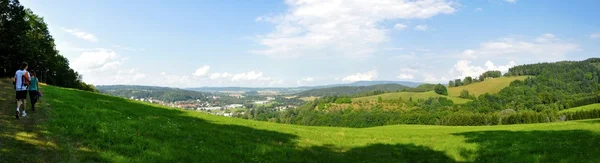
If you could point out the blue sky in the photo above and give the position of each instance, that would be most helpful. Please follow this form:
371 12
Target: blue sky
313 42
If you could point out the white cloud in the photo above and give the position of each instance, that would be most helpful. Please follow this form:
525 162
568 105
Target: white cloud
595 35
421 27
101 59
366 76
251 75
399 26
202 71
82 35
104 66
545 48
478 9
405 76
511 1
469 53
349 28
464 68
220 75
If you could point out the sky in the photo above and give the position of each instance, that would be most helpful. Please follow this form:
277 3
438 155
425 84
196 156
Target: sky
289 43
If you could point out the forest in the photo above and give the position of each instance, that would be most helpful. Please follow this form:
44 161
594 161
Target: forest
551 88
24 37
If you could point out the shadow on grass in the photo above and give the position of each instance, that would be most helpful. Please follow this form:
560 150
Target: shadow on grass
89 127
534 146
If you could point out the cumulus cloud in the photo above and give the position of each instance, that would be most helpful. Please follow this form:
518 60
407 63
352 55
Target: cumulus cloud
219 75
202 71
464 68
405 76
82 35
104 66
101 59
421 27
546 48
399 26
366 76
349 28
251 75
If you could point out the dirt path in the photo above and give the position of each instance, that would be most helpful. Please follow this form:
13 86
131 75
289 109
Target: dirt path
25 139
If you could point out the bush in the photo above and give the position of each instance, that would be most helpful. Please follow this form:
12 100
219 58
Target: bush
441 89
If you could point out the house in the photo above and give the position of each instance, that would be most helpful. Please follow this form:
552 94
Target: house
261 102
234 106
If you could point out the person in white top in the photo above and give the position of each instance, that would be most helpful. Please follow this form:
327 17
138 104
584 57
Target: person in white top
21 83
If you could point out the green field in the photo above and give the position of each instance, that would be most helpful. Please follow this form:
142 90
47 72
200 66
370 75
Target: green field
493 85
76 126
407 95
488 86
582 108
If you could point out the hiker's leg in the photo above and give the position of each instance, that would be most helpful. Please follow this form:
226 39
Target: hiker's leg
18 104
24 104
33 98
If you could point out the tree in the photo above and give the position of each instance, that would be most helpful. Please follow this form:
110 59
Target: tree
24 37
468 80
451 83
457 82
464 94
441 89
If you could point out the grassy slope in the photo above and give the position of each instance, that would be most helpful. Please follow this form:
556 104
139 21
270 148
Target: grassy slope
407 95
582 108
93 127
487 86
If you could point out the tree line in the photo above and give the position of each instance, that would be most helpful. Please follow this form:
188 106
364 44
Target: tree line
470 80
24 37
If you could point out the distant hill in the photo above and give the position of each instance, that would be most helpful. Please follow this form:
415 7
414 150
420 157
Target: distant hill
351 90
159 93
407 95
488 86
491 86
292 90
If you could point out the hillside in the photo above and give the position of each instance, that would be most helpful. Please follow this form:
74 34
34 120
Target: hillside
407 95
492 86
487 86
77 126
582 108
350 90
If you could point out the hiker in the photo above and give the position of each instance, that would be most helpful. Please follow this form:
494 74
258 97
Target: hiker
21 82
33 90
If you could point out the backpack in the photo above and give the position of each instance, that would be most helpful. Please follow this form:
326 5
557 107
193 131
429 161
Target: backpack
25 79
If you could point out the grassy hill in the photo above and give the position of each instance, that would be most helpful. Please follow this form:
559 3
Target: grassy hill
493 85
487 86
582 108
77 126
408 95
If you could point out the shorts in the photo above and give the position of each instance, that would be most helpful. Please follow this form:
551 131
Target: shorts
21 95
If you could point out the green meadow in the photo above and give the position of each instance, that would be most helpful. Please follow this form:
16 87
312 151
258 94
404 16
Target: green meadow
76 126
